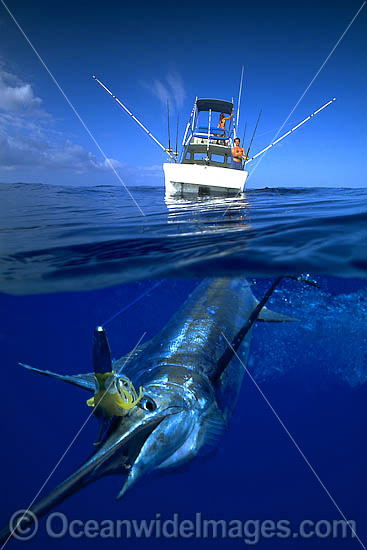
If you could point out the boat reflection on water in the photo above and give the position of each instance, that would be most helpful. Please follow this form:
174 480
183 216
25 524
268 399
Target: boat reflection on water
199 215
208 223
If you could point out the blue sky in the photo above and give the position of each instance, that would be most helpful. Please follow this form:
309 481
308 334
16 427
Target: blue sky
150 50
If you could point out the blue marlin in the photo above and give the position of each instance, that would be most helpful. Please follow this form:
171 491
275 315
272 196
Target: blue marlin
171 398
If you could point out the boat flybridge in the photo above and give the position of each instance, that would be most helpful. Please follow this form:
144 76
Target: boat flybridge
204 166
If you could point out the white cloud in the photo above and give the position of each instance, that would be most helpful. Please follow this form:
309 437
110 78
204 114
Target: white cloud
16 95
176 84
160 91
24 152
170 87
116 164
28 138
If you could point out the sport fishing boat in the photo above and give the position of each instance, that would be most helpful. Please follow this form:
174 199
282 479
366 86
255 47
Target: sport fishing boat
204 166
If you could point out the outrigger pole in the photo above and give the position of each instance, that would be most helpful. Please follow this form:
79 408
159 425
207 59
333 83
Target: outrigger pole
133 117
290 131
239 98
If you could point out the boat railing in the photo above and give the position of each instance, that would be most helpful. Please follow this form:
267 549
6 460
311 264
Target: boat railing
203 138
218 131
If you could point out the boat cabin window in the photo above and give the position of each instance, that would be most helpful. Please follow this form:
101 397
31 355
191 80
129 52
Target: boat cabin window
217 158
199 156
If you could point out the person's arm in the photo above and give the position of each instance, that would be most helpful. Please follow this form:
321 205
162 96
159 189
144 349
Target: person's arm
228 117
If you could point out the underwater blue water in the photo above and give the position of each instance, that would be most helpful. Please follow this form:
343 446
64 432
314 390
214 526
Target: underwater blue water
72 258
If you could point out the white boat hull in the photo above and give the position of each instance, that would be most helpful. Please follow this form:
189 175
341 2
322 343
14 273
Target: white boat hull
202 179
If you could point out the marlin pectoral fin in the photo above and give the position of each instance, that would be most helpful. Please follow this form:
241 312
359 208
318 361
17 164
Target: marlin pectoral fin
273 316
85 381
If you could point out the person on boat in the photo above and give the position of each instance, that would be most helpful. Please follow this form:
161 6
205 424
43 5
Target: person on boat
238 153
222 122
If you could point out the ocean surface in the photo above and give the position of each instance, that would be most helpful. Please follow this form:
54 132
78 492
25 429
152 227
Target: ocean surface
56 239
295 450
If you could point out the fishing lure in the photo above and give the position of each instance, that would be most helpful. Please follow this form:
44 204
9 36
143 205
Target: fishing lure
115 394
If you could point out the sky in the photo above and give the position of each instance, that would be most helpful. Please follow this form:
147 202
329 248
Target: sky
149 52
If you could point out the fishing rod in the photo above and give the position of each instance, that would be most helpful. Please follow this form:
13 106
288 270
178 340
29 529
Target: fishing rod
176 151
253 133
290 131
189 122
169 133
134 118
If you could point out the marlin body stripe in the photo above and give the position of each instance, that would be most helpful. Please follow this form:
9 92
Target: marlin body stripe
184 403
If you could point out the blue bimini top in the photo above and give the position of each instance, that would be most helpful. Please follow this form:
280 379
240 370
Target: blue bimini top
217 105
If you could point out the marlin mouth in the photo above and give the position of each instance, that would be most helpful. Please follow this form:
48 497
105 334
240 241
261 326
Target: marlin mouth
135 441
122 443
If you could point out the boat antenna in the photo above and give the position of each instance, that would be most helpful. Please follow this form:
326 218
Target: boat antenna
134 118
239 97
292 130
234 122
254 132
169 133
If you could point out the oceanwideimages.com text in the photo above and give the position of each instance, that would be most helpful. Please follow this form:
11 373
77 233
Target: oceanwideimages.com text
57 525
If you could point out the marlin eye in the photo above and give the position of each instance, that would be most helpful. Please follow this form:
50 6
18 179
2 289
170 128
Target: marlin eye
148 404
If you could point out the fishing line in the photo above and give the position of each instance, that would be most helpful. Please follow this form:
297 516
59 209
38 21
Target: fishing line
253 134
290 123
131 304
295 443
107 160
27 513
305 91
312 81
